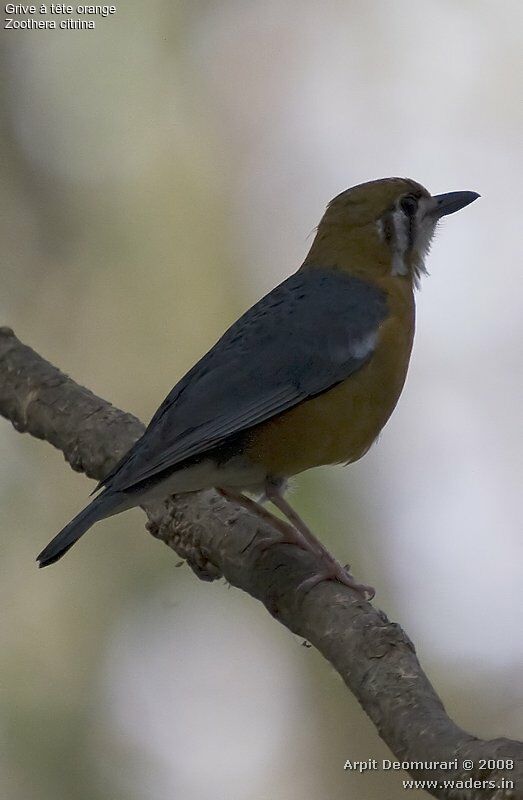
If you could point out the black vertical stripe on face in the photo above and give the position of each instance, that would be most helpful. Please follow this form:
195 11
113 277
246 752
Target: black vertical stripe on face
409 207
411 231
388 228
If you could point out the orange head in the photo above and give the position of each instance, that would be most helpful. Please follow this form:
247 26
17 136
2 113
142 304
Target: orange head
382 228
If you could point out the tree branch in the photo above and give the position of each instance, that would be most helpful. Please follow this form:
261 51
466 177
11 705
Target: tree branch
374 657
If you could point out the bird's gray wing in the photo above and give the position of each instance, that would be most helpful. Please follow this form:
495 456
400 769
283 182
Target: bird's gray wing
311 332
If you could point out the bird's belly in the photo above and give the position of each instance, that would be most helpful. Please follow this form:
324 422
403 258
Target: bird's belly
342 423
237 472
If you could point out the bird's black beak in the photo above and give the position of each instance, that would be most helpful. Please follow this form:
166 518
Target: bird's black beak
452 201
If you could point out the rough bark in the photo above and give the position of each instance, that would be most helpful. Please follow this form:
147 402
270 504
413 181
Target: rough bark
374 656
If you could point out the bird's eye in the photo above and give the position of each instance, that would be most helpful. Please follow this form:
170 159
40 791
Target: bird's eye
409 205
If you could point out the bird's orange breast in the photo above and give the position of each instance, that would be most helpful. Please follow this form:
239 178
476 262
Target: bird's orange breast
342 423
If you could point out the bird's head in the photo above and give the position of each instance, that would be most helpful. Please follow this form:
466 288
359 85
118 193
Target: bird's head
382 228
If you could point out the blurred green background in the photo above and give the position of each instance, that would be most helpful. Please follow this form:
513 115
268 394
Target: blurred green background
158 175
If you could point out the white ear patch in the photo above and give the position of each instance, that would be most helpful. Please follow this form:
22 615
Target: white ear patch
399 266
400 244
395 234
408 236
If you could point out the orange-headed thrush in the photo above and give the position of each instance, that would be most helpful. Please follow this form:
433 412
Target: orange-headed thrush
308 376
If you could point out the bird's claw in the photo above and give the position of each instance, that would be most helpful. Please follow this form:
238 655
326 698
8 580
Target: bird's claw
333 570
337 573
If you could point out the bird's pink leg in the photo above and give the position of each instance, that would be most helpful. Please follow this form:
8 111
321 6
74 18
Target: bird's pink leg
333 569
289 534
297 533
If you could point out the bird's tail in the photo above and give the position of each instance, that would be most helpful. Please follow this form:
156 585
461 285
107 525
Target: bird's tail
105 505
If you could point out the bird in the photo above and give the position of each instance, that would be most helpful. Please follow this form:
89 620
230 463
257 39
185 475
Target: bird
308 376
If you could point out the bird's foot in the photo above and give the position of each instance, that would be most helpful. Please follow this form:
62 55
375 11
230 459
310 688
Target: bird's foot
335 572
300 535
288 534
